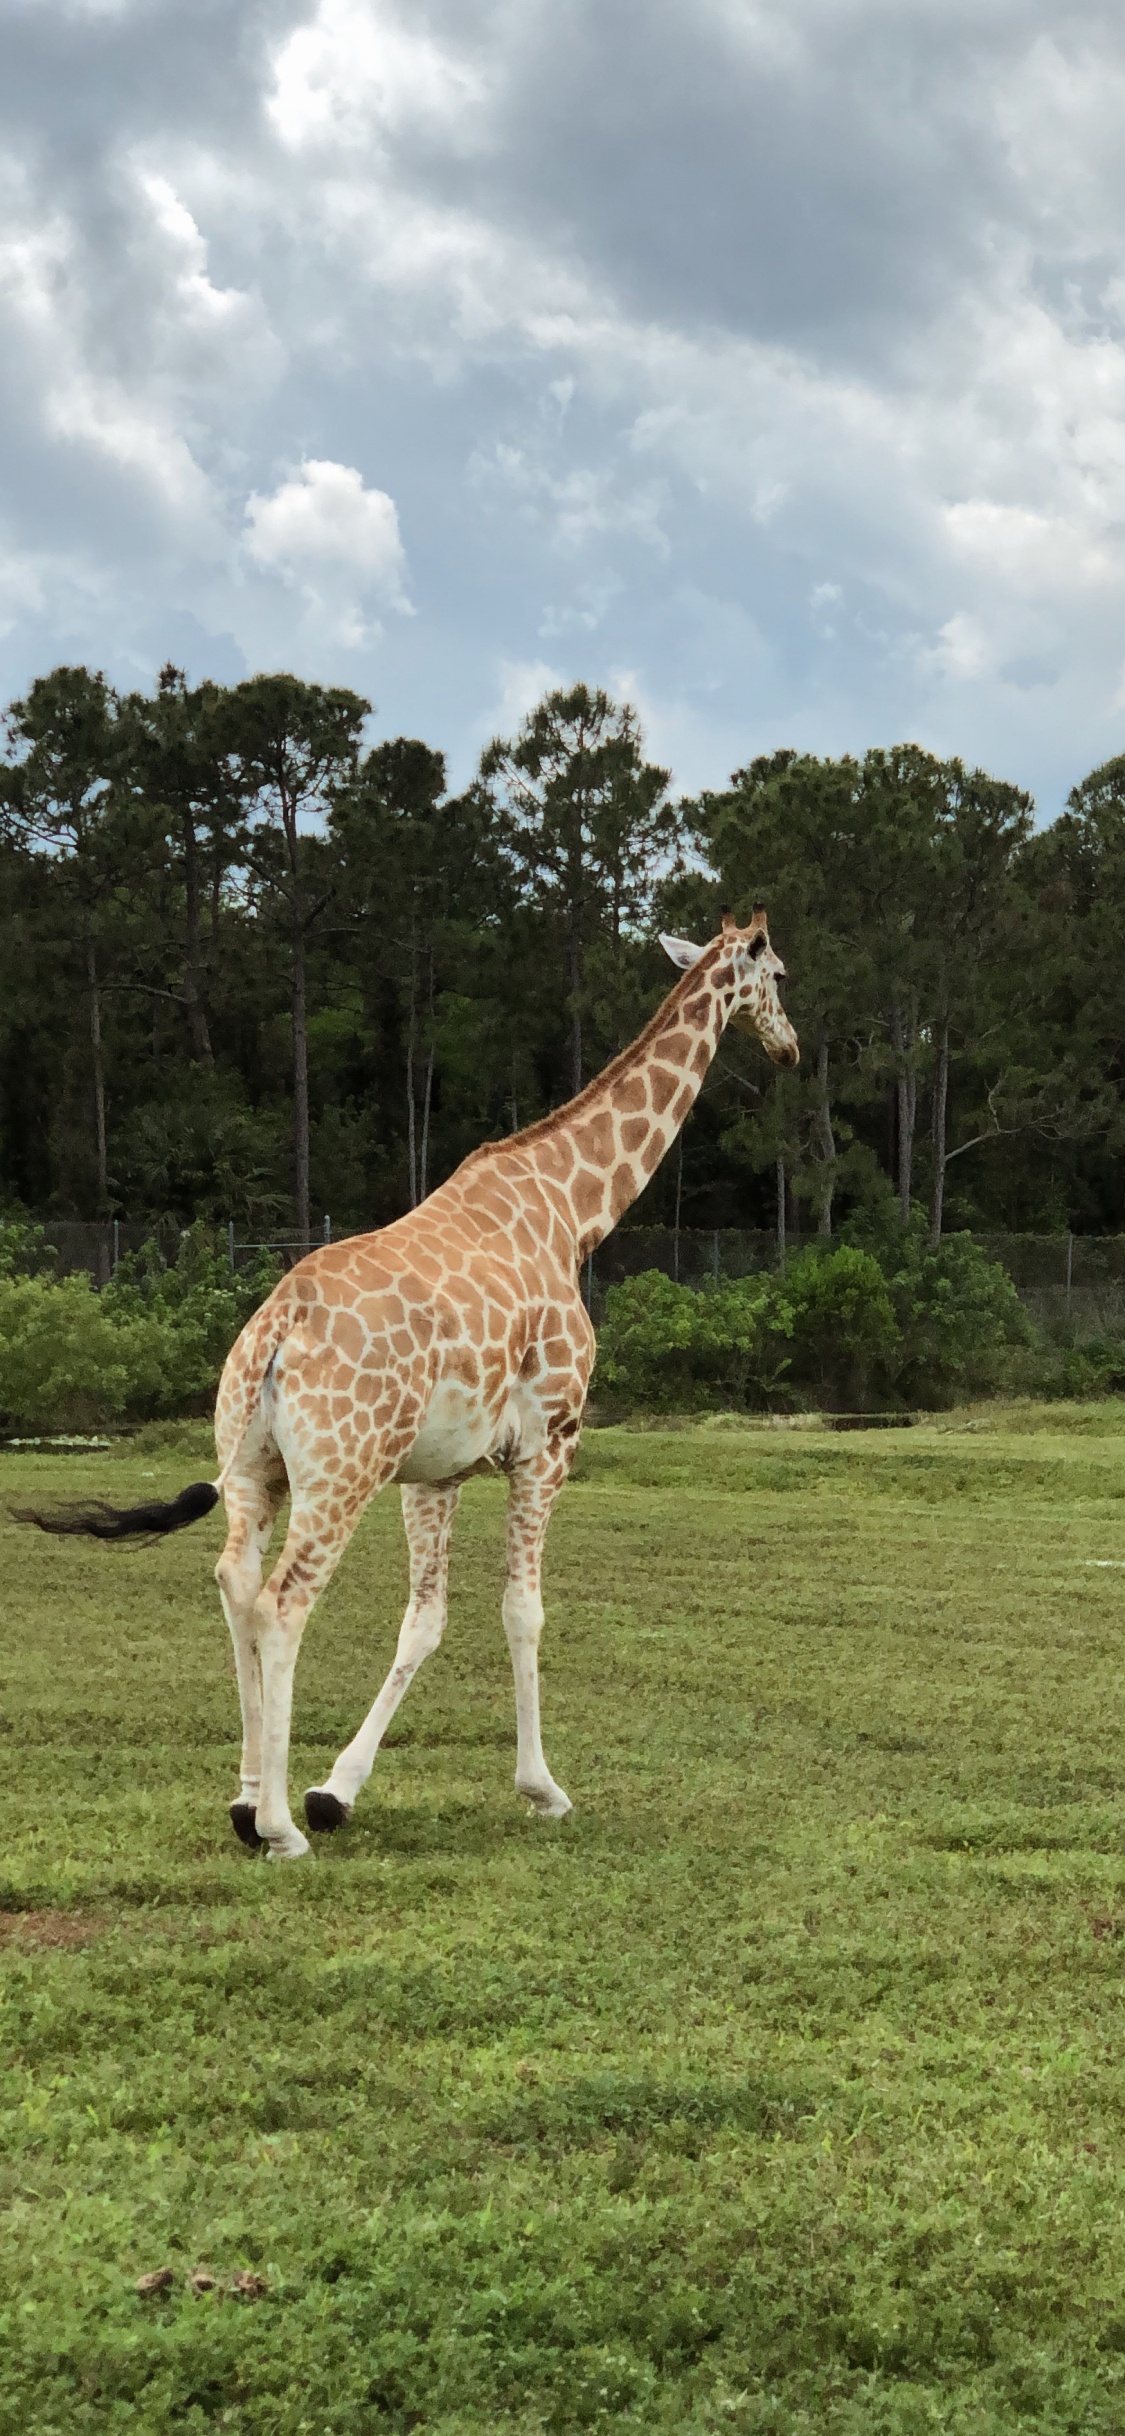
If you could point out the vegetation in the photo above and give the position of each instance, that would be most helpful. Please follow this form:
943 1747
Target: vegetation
151 1345
841 1329
780 2089
257 968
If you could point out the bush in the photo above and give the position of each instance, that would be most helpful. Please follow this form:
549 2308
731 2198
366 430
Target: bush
24 1251
1044 1370
958 1314
198 1306
64 1364
824 1328
665 1346
847 1328
151 1344
834 1311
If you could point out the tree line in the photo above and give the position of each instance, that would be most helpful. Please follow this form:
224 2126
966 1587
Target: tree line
255 967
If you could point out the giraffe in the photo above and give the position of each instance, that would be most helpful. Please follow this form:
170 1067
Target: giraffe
452 1342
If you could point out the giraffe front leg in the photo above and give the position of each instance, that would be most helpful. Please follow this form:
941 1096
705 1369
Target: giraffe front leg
428 1517
535 1486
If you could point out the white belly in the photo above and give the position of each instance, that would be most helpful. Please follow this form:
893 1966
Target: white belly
454 1435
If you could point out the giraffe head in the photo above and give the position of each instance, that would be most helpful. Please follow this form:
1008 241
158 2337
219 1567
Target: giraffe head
744 968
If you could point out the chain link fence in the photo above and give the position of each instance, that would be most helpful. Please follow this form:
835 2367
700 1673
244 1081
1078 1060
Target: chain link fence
1072 1283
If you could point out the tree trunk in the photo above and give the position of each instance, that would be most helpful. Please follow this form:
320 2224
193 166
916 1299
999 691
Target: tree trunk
98 1063
300 1088
906 1109
574 986
781 1215
193 993
411 1049
941 1103
427 1094
825 1139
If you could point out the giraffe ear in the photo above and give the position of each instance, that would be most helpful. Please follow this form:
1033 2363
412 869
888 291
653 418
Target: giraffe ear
683 952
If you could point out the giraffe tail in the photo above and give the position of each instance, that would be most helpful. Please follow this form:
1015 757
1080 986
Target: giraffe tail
261 1341
102 1521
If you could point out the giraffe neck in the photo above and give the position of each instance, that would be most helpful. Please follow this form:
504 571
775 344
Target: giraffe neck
599 1151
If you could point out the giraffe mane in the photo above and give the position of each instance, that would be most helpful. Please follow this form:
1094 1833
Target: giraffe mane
681 989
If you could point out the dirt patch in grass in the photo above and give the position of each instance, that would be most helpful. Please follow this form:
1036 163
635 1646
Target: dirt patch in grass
49 1928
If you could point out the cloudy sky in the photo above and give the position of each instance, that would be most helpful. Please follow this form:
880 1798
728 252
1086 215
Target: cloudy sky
761 359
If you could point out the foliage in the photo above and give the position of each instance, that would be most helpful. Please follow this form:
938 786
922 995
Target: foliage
253 968
957 1312
778 2090
152 1343
64 1364
834 1311
888 1322
663 1345
24 1250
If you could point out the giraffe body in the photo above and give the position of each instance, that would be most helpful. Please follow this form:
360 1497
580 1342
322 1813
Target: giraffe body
453 1341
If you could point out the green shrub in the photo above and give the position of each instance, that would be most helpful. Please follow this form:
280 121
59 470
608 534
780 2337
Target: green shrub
667 1347
198 1305
958 1314
849 1328
65 1364
24 1251
649 1344
1047 1371
834 1311
825 1328
150 1345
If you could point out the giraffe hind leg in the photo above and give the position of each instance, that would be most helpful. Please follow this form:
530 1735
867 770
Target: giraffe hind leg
317 1536
253 1497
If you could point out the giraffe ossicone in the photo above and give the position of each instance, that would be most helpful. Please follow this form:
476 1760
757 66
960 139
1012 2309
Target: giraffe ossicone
453 1341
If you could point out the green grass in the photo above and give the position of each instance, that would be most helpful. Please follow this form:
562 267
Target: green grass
781 2088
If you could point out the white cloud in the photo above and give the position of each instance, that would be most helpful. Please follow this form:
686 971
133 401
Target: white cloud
961 650
337 544
643 317
1039 553
356 70
522 683
576 505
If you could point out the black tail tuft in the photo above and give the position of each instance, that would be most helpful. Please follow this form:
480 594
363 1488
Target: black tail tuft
125 1522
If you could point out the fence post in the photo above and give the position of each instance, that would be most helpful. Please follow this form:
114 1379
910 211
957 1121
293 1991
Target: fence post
781 1215
116 1245
715 1256
1069 1270
230 1244
327 1228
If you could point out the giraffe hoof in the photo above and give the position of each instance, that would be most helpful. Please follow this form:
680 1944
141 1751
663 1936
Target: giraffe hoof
547 1801
242 1819
324 1812
288 1844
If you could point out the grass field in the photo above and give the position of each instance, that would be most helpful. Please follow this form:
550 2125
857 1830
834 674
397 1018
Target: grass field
781 2088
